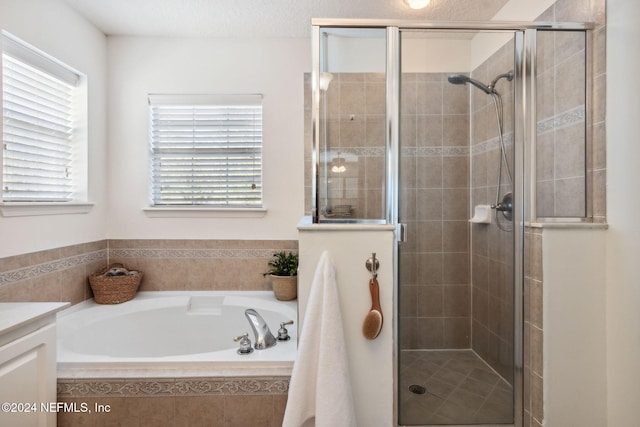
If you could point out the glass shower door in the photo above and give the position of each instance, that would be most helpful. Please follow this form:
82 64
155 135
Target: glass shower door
456 281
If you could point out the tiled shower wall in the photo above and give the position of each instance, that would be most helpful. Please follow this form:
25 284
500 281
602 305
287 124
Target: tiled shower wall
492 245
560 147
571 174
434 192
61 274
355 132
434 273
533 331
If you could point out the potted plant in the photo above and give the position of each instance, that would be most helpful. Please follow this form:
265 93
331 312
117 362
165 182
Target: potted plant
283 270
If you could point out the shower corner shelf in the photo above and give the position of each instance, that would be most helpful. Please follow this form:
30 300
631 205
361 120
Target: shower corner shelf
481 215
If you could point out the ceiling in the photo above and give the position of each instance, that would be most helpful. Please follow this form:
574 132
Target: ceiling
260 18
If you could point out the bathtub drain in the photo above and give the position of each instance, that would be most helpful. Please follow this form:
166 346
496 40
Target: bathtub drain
417 389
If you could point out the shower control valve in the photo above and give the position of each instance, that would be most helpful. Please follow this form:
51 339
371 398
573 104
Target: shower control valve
283 333
245 344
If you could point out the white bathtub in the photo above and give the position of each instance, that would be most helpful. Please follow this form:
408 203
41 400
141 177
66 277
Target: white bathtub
173 333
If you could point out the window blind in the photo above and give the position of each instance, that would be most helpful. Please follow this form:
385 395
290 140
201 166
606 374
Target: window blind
37 131
206 150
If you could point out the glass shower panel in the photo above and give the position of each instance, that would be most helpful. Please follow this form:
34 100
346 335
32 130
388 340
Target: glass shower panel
351 127
456 281
561 143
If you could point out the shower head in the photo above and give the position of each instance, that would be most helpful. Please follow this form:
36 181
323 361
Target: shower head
460 79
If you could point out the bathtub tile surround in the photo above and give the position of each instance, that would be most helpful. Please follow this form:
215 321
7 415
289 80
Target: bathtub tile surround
200 264
61 274
55 275
223 401
147 387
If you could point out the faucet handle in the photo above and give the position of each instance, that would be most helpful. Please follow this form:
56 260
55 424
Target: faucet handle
245 343
283 333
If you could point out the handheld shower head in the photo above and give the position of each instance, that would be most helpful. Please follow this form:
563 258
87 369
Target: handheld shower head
460 79
457 79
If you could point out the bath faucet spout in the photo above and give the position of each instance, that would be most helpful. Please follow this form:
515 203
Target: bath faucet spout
263 336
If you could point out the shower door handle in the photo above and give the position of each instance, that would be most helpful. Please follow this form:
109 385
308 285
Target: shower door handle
401 232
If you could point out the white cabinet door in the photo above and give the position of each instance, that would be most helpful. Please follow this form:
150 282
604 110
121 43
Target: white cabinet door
28 379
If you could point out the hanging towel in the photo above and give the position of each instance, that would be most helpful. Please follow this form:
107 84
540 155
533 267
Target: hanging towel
320 390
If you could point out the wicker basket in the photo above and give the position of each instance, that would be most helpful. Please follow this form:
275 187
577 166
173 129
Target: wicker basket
114 289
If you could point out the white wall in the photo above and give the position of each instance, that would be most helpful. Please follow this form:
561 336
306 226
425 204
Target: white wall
574 320
623 206
365 53
486 44
434 55
272 67
420 54
51 26
370 362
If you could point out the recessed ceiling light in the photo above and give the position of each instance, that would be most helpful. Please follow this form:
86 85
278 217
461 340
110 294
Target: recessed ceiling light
417 4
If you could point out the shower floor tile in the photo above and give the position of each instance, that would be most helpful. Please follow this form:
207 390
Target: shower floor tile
460 388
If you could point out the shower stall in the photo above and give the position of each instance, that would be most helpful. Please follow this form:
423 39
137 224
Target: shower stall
464 136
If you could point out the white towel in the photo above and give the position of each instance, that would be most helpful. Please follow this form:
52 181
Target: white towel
320 389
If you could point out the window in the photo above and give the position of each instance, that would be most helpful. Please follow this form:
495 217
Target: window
43 151
206 150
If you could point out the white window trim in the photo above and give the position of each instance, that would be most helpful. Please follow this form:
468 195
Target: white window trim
80 204
203 212
10 209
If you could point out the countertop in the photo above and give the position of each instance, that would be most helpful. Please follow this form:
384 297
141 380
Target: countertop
16 315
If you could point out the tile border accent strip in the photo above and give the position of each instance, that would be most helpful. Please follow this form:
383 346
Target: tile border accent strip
566 118
364 151
172 387
431 151
38 270
453 151
194 253
55 266
492 144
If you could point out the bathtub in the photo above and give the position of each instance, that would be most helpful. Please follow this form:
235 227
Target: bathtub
172 334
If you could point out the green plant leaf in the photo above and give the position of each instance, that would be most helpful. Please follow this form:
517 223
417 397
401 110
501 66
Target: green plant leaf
283 264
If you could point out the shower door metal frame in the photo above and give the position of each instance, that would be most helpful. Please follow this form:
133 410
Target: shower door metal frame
524 149
531 47
316 43
393 75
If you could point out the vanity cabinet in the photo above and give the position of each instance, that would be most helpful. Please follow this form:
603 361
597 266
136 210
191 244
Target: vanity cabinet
28 364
